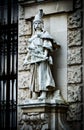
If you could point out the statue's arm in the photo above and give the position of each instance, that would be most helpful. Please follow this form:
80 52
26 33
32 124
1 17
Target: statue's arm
26 59
46 53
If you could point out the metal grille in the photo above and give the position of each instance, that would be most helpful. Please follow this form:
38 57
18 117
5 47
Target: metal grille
8 64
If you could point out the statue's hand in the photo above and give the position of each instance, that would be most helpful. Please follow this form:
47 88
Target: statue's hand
25 62
45 57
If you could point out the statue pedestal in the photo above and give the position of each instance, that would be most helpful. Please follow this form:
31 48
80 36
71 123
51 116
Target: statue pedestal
44 116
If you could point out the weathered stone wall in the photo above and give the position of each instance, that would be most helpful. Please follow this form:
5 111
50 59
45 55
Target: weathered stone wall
75 66
23 74
24 31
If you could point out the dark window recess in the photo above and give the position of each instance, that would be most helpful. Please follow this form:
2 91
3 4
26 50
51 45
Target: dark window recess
8 64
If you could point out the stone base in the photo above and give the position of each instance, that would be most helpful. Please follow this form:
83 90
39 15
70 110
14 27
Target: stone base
44 116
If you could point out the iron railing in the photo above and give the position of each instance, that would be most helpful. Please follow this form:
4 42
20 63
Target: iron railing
8 64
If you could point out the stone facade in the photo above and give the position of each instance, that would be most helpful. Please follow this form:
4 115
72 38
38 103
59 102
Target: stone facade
75 62
23 75
70 65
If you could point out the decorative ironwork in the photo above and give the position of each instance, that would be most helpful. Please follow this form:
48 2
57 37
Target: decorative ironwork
8 64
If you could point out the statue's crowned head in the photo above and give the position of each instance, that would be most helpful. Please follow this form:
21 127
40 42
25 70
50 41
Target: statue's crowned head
38 21
38 17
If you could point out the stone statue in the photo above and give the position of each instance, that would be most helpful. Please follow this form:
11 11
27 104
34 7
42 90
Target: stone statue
41 46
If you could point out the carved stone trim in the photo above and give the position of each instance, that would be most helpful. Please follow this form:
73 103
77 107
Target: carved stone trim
44 118
34 120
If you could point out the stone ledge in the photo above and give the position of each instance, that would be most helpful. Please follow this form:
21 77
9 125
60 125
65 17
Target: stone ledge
49 8
43 107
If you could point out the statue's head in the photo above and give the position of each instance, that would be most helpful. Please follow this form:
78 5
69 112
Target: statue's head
38 21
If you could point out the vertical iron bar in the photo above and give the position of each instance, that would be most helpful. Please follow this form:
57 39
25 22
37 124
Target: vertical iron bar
3 58
0 68
8 75
16 42
12 72
8 67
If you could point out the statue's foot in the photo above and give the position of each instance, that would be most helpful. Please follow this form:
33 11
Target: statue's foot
34 95
42 96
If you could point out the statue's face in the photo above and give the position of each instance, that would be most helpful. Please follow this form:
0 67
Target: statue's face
38 25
